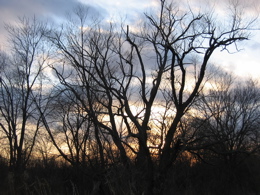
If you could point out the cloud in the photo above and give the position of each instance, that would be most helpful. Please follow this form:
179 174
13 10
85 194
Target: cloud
131 11
37 7
42 9
123 10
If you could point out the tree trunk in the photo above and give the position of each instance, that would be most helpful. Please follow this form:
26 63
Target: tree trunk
169 153
145 171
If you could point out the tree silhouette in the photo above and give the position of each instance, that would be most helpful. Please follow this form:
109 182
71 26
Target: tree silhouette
20 87
125 96
128 76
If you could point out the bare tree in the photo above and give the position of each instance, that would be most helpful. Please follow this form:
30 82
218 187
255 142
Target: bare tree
172 38
128 77
20 86
74 130
229 121
86 53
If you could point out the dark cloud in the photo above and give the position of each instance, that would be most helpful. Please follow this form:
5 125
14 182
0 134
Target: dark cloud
52 10
37 7
10 10
60 8
40 8
57 7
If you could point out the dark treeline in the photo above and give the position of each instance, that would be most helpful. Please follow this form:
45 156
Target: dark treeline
91 108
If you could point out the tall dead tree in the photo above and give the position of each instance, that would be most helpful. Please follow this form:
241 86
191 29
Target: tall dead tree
132 79
162 55
21 84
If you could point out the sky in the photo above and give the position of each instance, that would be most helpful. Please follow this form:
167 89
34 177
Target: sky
245 63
